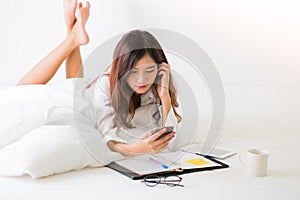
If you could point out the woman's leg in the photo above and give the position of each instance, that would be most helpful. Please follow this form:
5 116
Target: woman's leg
47 67
73 61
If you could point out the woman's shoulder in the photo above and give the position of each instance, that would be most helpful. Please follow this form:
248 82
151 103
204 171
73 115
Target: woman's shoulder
106 71
102 85
103 78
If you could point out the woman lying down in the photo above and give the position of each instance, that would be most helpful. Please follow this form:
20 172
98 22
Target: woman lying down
49 129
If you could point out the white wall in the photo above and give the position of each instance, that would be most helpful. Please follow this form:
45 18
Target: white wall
30 29
254 45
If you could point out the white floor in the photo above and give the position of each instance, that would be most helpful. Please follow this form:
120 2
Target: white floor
282 181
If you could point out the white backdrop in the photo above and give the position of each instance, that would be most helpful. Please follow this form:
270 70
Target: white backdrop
254 45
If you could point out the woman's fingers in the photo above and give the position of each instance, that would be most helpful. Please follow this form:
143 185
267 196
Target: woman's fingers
155 144
165 139
158 134
164 71
147 135
162 143
164 64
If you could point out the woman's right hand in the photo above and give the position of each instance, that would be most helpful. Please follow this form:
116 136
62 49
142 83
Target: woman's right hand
150 144
147 144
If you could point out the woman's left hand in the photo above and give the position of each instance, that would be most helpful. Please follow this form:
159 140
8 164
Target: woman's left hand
164 81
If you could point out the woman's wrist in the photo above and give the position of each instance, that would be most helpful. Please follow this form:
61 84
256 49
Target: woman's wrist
165 100
166 106
123 148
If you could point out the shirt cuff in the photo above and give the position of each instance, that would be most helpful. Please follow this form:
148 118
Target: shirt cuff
113 137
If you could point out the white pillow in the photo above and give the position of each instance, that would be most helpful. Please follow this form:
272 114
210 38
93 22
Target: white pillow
22 109
29 106
53 149
45 134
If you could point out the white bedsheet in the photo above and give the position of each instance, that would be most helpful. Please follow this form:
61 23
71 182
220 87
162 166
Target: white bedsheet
47 129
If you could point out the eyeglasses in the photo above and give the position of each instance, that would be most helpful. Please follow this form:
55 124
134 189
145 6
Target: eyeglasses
154 180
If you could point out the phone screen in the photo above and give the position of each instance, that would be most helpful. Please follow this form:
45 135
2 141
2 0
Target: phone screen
169 130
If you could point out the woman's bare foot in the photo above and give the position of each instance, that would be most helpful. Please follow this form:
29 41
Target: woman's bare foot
69 13
78 30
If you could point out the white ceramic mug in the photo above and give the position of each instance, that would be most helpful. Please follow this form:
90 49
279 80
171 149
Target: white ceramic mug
257 162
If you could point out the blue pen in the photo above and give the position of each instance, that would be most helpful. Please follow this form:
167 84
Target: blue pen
161 164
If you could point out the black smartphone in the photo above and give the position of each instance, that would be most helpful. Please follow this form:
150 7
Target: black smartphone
168 131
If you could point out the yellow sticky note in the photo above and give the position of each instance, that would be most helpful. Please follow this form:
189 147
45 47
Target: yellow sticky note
197 162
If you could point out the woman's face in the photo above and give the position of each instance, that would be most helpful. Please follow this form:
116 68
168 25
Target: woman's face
142 75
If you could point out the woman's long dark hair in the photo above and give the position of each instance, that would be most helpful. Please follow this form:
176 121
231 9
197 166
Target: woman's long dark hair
129 50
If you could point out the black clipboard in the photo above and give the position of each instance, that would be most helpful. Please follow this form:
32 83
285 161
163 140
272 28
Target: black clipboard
136 176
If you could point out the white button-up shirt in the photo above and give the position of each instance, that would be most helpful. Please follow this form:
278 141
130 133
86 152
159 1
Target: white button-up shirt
143 119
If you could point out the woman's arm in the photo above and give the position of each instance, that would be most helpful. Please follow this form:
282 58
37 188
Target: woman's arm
163 90
145 145
166 106
168 116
